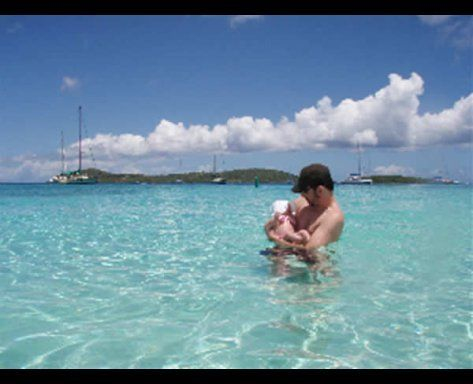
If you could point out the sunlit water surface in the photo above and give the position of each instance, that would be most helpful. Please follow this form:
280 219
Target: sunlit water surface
172 276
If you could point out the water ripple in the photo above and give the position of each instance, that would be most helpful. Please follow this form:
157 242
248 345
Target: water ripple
172 276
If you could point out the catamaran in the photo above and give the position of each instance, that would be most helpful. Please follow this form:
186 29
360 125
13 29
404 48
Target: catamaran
444 180
73 177
217 179
358 178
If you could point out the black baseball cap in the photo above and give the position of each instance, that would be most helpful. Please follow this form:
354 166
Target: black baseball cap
312 176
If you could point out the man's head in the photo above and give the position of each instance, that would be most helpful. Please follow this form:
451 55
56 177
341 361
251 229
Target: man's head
311 177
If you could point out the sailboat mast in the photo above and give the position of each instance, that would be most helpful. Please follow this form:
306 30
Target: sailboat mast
215 164
80 138
359 158
62 152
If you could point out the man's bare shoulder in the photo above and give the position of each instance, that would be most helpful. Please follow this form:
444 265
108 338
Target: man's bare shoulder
300 202
335 214
338 214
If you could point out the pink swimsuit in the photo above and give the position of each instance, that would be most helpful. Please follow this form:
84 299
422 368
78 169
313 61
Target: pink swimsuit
283 218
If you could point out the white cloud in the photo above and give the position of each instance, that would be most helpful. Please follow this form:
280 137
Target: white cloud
114 146
40 168
456 30
394 169
241 19
451 126
28 168
69 83
205 168
434 19
459 33
387 118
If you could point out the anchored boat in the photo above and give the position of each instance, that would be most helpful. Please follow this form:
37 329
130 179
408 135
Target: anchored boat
216 178
357 178
73 177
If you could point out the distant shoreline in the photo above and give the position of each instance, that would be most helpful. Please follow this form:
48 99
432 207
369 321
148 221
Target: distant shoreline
240 176
338 184
237 176
249 176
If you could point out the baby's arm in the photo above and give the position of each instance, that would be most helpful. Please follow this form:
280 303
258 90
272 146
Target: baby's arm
300 237
270 228
305 235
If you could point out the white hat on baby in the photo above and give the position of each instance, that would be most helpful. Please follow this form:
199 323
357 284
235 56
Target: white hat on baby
279 206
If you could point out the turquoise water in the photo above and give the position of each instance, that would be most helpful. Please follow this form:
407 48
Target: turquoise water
171 276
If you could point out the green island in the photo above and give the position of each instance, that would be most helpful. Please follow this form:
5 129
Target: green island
398 179
237 176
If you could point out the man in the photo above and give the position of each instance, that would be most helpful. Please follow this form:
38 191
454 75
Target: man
317 211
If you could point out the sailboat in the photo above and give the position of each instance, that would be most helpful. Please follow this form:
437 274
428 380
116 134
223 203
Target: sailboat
78 176
357 178
217 179
444 179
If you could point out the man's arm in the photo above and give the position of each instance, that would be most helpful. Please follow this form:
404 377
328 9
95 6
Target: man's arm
327 232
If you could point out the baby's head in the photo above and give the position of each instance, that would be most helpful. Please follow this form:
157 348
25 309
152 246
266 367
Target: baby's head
283 207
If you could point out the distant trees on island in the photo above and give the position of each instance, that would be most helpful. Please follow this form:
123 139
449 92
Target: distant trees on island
398 179
237 176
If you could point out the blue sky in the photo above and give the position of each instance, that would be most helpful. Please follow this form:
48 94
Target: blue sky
162 94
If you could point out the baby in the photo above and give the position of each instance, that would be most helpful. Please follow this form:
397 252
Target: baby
284 223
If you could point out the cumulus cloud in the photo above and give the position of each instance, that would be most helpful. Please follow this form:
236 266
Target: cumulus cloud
387 118
69 83
451 126
241 19
40 168
394 169
30 167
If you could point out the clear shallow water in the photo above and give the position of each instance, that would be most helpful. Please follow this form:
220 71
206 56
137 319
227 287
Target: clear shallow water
171 276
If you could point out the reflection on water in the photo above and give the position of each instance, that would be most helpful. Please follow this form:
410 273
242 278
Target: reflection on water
297 268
